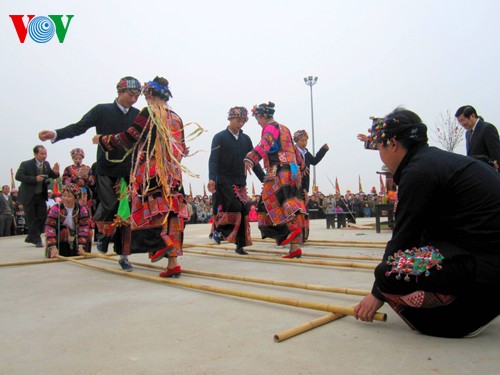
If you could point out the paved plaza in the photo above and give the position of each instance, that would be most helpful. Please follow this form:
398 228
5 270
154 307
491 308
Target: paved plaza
66 318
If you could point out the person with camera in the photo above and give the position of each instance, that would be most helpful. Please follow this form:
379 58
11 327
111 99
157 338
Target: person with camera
35 176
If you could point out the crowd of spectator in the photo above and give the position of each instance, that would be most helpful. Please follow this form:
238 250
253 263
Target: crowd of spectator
359 205
201 208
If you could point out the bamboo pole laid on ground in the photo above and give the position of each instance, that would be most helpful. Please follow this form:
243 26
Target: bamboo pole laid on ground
304 327
288 284
279 259
242 294
35 261
346 244
330 256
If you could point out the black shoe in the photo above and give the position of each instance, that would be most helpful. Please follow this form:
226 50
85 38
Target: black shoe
39 244
27 240
125 264
217 237
102 246
239 250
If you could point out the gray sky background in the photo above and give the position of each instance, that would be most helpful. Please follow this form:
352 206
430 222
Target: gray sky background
370 56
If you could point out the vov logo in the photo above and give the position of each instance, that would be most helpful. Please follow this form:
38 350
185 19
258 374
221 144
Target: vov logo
41 29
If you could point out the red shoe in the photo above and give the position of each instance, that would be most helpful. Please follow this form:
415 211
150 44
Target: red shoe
158 255
291 236
293 254
172 272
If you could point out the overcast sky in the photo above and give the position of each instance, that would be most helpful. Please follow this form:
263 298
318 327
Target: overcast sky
370 56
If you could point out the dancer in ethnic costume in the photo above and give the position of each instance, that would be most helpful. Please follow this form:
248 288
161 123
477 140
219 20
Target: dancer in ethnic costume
156 140
81 175
281 207
227 180
67 225
441 269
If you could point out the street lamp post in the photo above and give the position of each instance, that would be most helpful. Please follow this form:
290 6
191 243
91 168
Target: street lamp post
311 81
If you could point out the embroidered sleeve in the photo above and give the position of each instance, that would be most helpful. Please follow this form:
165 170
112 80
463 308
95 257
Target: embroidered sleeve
126 139
83 226
270 135
51 226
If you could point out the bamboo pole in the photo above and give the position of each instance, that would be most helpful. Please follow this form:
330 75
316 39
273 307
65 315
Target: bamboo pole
288 284
242 294
347 244
304 261
35 261
305 327
330 256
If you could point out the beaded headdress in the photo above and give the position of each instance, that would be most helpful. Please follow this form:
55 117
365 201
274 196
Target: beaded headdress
385 129
128 83
73 189
299 134
238 112
77 151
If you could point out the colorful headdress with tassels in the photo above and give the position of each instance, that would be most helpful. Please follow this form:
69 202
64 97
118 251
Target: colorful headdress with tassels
384 129
161 90
266 110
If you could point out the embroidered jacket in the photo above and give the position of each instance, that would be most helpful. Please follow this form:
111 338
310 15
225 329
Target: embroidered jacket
55 223
275 147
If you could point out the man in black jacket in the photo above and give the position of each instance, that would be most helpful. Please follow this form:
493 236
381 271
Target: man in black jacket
300 137
227 181
481 138
108 118
444 255
35 176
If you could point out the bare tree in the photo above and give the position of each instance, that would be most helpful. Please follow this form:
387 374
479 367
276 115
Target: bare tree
448 132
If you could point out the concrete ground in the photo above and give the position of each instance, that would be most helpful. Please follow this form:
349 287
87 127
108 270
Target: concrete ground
64 318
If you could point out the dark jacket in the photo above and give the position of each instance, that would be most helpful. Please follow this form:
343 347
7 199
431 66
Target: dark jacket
484 141
27 173
226 165
452 202
311 159
107 119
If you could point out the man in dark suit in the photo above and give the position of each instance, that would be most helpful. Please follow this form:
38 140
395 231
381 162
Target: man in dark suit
6 211
481 138
35 175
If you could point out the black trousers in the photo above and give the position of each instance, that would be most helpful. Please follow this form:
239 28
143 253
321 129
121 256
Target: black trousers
226 198
35 214
107 209
5 224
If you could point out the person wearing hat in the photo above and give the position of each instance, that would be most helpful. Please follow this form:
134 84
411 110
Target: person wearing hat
111 166
281 207
228 182
300 137
67 225
159 209
441 269
81 175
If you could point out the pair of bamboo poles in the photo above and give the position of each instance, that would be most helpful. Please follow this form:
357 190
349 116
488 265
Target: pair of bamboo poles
335 311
